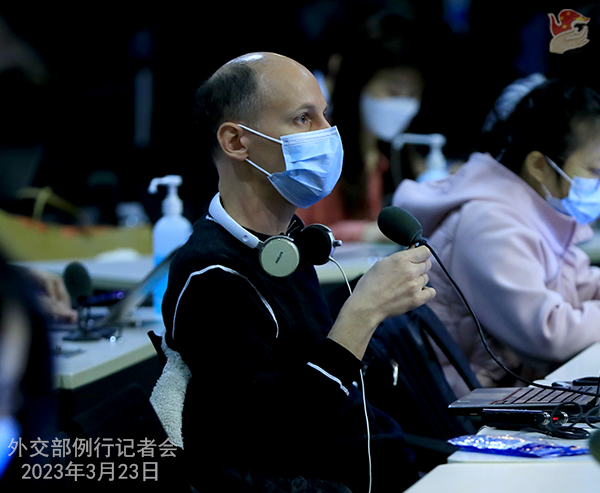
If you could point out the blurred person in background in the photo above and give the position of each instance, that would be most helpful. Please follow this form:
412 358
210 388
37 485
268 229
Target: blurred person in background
28 407
377 92
507 225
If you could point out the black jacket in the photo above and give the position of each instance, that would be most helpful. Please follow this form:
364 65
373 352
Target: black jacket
270 395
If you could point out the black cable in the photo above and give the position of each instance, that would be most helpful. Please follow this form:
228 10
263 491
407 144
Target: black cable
569 431
592 416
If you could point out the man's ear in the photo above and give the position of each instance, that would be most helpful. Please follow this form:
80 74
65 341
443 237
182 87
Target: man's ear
230 137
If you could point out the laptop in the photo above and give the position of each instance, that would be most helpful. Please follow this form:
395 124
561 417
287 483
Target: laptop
528 398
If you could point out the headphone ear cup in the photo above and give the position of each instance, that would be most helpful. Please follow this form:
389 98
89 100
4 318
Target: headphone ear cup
316 244
279 256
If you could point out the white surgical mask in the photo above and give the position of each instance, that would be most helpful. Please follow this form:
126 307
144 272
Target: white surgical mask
583 200
313 165
387 117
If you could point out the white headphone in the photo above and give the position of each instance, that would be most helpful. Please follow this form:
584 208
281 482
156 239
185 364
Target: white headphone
280 255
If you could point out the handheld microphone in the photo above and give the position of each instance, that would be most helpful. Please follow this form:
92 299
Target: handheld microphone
403 228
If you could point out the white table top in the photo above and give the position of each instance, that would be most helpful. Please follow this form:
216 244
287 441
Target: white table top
585 364
106 275
534 477
99 359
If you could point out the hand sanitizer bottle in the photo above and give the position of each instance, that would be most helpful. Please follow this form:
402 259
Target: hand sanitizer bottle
170 232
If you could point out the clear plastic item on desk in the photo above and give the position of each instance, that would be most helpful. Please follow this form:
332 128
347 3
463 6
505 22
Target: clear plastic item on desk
170 232
516 445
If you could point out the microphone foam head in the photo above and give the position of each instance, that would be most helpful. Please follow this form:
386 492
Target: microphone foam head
399 226
77 281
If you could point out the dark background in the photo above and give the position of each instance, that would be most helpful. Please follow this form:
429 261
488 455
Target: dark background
80 114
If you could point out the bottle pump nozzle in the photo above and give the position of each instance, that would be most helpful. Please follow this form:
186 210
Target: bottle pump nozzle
172 203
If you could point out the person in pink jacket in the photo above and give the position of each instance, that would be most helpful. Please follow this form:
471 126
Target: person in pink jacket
507 225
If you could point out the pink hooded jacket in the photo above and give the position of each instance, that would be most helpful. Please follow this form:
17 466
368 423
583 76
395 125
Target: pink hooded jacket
514 257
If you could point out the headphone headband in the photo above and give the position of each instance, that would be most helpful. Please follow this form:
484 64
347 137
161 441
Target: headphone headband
219 214
279 255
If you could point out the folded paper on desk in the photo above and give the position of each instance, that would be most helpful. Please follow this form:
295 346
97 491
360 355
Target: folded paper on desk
516 446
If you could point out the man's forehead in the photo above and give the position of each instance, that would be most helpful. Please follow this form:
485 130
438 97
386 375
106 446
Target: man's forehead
290 84
284 84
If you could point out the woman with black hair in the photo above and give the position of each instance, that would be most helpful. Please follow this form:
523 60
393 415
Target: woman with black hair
377 93
506 226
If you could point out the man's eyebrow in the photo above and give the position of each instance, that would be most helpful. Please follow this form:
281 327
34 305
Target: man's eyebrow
310 107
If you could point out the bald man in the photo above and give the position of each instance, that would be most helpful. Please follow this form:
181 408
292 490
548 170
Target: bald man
273 396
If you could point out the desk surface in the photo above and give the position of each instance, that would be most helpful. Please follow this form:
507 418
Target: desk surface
546 477
99 359
106 275
585 364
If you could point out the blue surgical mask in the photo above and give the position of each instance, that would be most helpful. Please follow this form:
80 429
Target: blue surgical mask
583 201
313 165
